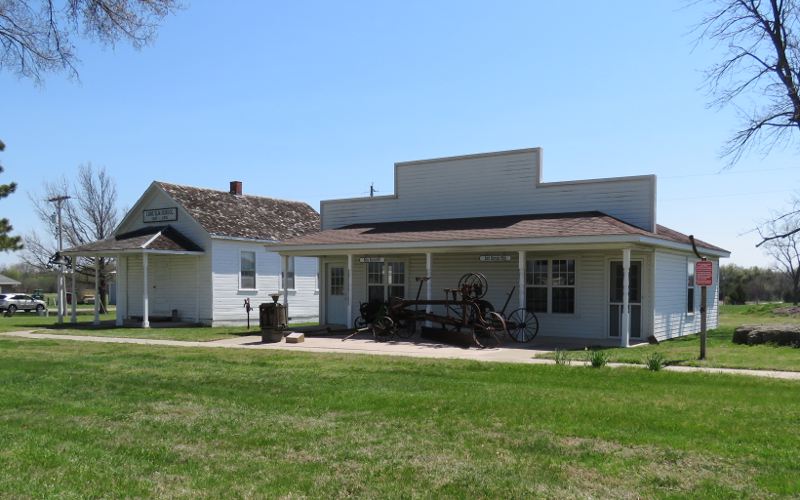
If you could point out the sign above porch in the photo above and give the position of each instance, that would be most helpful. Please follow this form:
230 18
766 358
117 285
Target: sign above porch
160 214
495 258
367 260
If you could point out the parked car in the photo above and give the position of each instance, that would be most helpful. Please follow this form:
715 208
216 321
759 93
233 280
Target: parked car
14 302
88 299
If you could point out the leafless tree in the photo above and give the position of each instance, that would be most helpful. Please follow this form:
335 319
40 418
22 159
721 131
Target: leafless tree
762 62
91 214
786 252
36 36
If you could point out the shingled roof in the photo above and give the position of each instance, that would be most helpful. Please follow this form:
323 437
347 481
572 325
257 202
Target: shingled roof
159 238
572 224
243 216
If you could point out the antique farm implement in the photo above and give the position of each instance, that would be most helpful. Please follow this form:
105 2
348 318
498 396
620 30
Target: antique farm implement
462 316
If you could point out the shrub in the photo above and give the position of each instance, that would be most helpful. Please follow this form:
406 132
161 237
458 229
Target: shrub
562 357
655 361
597 358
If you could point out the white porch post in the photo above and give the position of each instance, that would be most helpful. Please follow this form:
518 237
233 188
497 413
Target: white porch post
285 279
521 284
197 289
429 283
121 284
349 290
626 315
145 294
74 303
97 297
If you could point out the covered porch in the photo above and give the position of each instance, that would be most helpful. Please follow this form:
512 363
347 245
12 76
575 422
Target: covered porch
158 276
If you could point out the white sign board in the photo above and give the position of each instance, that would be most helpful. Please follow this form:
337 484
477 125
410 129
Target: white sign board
495 258
160 214
365 260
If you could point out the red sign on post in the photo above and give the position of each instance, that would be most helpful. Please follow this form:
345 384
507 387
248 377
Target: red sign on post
704 273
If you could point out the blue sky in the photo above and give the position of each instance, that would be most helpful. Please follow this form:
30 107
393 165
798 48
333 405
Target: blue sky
315 100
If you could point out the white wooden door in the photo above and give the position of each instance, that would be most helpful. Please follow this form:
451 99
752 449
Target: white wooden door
159 286
335 298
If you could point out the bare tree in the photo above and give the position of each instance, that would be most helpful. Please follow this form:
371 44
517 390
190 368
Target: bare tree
762 62
786 252
91 214
37 36
7 242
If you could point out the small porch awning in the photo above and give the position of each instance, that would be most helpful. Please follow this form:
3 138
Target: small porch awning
573 228
156 239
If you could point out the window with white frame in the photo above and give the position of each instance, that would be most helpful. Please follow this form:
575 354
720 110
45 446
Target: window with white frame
550 286
337 281
287 277
536 279
247 270
690 287
385 280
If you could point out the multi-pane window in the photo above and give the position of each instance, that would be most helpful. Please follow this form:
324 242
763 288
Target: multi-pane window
563 280
536 280
247 270
287 277
690 287
375 286
550 286
337 281
385 280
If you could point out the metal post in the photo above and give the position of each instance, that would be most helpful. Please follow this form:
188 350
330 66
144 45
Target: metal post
97 297
145 295
349 291
703 324
61 282
626 315
121 280
523 262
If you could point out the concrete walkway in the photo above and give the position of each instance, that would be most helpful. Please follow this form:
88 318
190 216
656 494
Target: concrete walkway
369 346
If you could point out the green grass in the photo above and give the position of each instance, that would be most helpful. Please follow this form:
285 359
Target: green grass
27 321
102 420
721 351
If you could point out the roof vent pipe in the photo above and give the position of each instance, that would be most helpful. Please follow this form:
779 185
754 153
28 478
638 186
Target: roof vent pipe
236 187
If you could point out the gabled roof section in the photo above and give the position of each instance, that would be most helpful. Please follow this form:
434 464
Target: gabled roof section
592 224
227 215
5 280
153 238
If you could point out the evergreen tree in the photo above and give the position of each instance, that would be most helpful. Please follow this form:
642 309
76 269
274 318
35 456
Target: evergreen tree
7 242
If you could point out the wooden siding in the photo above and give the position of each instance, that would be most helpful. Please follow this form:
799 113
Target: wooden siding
171 279
229 298
495 184
670 316
590 319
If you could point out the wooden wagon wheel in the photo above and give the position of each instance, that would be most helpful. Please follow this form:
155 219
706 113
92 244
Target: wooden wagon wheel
475 284
383 328
359 323
522 325
487 333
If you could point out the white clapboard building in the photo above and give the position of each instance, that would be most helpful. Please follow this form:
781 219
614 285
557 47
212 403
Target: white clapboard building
568 249
195 254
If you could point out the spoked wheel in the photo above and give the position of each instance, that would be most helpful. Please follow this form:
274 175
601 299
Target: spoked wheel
359 323
383 328
406 329
475 284
522 325
488 333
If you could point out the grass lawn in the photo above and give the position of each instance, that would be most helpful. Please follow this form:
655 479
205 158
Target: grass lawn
92 420
721 351
26 321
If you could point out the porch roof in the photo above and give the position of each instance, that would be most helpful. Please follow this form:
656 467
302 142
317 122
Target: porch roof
530 228
156 239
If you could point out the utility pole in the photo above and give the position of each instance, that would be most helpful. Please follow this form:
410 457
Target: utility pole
60 283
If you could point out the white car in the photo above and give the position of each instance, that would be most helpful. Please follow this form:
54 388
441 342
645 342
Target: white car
12 302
